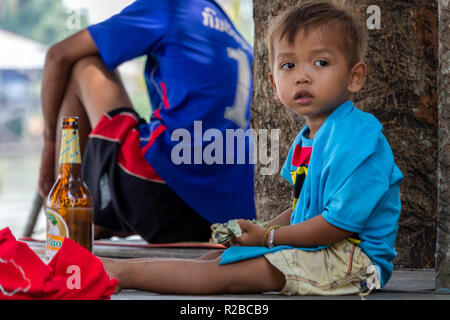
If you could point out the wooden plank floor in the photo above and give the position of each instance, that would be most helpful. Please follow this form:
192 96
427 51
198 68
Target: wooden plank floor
413 284
138 249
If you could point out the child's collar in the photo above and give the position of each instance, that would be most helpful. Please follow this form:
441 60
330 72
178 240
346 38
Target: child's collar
341 111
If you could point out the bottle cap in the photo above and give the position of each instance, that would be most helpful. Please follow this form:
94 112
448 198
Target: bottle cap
71 122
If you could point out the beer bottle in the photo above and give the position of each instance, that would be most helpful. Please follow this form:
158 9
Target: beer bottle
69 207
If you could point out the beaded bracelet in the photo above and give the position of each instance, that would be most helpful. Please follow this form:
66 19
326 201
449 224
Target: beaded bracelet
270 239
267 232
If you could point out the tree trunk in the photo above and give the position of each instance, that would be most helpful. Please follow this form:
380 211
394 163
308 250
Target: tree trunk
400 90
272 193
443 220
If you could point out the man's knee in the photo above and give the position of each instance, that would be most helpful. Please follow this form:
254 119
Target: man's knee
87 66
98 89
79 72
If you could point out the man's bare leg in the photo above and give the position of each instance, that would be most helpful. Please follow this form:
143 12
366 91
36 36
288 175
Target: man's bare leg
179 276
91 91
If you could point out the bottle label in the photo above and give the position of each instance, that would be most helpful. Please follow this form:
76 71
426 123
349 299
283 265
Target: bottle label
56 231
70 147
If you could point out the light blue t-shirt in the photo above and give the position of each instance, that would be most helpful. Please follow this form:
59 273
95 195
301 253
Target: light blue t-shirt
352 181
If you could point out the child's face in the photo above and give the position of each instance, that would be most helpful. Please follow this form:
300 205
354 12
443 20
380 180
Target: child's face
312 76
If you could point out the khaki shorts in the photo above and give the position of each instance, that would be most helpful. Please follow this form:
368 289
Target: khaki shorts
340 269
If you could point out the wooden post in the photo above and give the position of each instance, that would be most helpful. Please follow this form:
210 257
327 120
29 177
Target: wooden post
443 174
272 193
34 214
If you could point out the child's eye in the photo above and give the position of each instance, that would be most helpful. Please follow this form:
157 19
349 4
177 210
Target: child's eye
321 63
287 66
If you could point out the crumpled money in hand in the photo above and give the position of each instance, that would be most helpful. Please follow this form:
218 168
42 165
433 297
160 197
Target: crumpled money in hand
223 232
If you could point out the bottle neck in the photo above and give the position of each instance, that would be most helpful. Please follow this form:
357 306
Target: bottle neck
69 155
67 170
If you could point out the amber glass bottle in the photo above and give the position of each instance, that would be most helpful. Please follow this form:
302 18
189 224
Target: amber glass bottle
69 209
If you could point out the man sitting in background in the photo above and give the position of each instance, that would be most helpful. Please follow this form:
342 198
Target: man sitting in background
198 69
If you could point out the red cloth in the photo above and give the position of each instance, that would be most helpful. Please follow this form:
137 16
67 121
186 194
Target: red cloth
73 273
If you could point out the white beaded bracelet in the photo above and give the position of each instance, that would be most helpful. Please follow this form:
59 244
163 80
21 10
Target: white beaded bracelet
271 237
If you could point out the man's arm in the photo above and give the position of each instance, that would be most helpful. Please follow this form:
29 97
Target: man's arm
58 62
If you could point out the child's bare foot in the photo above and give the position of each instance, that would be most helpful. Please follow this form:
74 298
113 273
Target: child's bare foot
112 267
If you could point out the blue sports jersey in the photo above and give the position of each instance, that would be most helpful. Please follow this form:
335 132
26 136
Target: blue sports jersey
199 80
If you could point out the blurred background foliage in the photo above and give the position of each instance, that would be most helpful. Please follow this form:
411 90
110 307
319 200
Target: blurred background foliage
44 21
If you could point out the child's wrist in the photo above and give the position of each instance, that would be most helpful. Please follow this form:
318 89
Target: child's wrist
269 236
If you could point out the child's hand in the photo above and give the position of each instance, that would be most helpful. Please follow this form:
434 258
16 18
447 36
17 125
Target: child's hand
252 234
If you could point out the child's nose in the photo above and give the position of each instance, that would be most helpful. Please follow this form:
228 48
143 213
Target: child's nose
302 76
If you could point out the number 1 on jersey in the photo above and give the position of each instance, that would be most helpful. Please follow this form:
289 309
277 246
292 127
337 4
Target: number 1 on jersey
237 112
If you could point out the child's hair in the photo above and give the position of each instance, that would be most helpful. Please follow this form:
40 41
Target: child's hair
306 16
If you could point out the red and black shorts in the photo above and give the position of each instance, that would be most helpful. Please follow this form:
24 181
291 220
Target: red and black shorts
128 194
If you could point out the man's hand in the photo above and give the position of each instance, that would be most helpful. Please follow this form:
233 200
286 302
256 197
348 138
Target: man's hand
252 234
47 170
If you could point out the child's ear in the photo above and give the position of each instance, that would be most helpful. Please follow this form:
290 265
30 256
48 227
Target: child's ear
272 81
356 77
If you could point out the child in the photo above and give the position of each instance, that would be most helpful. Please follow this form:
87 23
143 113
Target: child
339 236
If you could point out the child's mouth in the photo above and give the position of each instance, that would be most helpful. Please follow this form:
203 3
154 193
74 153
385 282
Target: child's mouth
303 97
